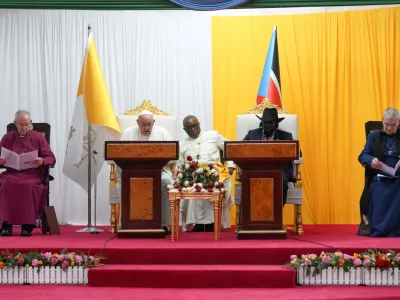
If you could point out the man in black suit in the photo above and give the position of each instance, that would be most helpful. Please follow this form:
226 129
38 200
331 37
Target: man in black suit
268 130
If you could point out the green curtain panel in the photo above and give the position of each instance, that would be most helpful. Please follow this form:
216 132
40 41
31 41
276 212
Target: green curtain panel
165 4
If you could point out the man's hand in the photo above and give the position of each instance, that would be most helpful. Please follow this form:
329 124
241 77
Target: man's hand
231 170
2 161
38 161
376 164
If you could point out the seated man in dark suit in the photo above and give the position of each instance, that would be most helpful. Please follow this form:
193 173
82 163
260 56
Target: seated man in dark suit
381 202
268 130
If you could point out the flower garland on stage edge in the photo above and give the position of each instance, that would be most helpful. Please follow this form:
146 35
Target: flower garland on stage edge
382 259
64 259
191 176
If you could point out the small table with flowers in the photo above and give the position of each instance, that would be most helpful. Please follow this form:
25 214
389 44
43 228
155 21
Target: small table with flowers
215 196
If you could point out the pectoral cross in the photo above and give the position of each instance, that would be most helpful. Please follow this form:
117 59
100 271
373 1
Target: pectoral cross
390 152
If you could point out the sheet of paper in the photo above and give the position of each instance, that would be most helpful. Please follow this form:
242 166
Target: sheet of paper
26 160
19 162
389 170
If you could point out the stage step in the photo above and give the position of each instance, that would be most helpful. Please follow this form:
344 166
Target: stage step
193 276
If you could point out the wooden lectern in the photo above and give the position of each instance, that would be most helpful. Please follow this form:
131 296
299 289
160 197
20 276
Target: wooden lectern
261 164
141 164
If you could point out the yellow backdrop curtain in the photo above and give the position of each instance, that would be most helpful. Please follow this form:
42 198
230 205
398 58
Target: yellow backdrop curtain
338 71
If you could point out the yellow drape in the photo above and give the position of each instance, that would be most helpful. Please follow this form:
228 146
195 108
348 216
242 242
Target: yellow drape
338 70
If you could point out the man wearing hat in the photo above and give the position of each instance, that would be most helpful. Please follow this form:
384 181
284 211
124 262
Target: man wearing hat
268 130
146 130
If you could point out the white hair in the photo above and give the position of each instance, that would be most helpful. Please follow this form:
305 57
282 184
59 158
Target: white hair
391 113
21 112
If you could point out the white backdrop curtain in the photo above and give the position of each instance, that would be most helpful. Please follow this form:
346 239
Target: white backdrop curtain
164 56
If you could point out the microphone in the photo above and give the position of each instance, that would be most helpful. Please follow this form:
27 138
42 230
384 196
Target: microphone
262 130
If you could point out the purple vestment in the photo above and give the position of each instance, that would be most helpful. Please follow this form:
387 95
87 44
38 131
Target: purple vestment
23 193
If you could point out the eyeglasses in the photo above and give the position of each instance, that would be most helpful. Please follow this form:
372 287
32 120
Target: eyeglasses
193 126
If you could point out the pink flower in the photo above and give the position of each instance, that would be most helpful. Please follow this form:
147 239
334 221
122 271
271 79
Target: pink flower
47 255
21 261
54 261
69 256
367 262
35 262
348 257
322 253
91 257
307 262
311 256
293 257
325 260
78 259
60 257
357 262
64 264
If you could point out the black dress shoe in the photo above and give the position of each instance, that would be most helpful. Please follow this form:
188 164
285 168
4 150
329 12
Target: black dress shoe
209 227
198 228
167 232
26 233
6 232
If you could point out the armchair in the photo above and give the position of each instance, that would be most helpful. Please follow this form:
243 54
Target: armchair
248 121
126 120
45 129
369 174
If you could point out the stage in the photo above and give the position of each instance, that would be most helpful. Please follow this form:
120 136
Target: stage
196 260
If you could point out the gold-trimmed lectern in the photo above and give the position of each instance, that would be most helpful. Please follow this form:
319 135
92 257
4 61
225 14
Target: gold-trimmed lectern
141 164
261 164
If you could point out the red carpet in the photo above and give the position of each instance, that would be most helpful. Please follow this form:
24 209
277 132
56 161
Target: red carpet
195 260
304 293
193 276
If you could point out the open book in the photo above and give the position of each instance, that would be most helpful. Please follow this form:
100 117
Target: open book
389 170
19 162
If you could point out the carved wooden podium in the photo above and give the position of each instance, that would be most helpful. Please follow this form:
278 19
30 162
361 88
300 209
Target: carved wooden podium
141 164
261 164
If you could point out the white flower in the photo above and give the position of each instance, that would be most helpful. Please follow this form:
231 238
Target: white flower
170 186
199 170
184 189
193 189
203 190
213 171
180 175
216 173
220 181
187 166
177 180
216 183
215 167
186 183
207 169
222 190
200 184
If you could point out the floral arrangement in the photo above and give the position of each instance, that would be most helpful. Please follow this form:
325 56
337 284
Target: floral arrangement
191 176
38 260
383 259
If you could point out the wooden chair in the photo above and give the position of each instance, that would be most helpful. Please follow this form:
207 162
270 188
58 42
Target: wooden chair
45 129
248 121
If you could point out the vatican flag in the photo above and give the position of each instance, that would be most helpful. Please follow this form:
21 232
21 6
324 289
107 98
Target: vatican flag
93 106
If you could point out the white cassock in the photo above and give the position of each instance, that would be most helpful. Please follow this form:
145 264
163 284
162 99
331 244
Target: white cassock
157 134
205 150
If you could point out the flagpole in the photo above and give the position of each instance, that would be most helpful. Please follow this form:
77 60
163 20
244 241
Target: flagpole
89 227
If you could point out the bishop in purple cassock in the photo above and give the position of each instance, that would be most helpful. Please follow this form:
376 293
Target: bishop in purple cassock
23 193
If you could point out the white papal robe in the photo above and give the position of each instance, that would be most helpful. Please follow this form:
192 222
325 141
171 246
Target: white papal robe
206 147
157 134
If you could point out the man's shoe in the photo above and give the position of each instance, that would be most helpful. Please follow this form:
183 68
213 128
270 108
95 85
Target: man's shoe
167 232
6 232
209 227
26 233
198 228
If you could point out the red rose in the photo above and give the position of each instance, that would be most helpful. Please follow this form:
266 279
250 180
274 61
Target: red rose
198 188
193 165
210 166
190 183
179 187
221 185
210 190
189 158
211 184
3 253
